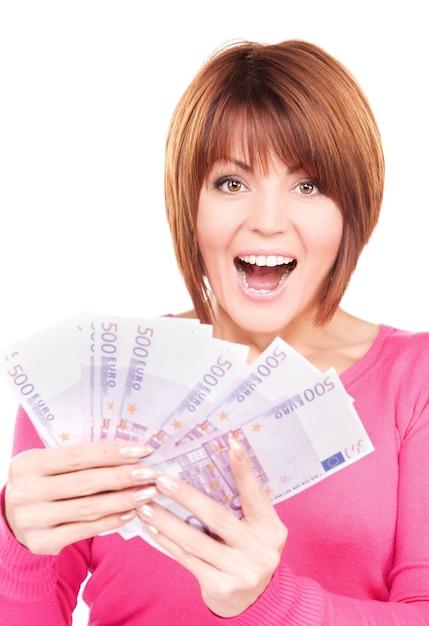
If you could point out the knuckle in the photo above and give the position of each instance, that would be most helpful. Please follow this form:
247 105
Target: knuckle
87 508
92 481
219 520
90 528
13 496
85 530
25 519
108 453
268 563
23 492
250 579
272 563
83 455
118 478
21 463
192 544
74 456
39 543
35 546
281 535
82 483
14 470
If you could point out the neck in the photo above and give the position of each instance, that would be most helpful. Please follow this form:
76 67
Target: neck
302 334
340 343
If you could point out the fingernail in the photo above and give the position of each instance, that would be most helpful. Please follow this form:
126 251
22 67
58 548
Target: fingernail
151 529
135 452
167 484
145 494
237 449
147 510
126 517
143 473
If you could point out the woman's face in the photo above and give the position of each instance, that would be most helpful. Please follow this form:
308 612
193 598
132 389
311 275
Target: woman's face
268 242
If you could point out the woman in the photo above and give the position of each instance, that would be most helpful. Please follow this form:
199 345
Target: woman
274 182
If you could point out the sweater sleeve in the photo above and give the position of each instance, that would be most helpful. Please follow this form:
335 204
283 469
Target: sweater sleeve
295 601
37 589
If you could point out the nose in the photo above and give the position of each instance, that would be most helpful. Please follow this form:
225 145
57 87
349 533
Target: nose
269 213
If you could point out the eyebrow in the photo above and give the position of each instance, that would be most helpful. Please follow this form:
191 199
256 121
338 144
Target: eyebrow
244 166
247 168
241 164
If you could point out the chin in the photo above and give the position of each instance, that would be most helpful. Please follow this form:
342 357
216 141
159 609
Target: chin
260 323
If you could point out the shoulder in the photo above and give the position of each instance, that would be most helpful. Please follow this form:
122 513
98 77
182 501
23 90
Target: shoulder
397 362
404 365
405 345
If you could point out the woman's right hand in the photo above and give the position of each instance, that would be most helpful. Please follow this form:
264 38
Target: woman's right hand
57 496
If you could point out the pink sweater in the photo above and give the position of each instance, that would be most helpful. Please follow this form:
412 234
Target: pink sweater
358 545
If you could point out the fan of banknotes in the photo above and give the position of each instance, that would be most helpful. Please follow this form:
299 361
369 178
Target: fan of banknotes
169 383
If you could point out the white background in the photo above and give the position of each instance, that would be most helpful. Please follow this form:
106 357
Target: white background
87 89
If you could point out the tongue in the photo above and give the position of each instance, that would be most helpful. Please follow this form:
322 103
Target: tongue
266 278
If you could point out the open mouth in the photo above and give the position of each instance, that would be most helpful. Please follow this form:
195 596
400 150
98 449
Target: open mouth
263 274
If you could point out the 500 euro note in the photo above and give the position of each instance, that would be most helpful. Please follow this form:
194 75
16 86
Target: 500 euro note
171 384
44 371
117 355
295 434
280 367
148 367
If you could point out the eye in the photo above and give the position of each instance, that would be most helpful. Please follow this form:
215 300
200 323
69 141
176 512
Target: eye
229 184
308 188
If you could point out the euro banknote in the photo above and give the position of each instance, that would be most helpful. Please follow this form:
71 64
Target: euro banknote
169 383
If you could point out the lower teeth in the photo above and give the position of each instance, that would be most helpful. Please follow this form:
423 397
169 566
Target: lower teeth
243 277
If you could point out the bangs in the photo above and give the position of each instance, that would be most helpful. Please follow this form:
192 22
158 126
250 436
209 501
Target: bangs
262 128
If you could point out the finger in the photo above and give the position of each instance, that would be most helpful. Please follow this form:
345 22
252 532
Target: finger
92 481
220 586
186 544
254 499
29 522
206 512
220 569
258 512
53 540
257 509
73 457
86 509
103 505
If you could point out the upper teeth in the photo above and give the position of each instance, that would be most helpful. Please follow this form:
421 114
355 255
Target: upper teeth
270 261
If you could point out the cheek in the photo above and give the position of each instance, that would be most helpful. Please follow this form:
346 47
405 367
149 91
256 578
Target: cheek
335 235
213 229
323 238
206 236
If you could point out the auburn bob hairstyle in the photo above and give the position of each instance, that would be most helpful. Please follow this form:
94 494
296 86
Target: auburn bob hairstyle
290 100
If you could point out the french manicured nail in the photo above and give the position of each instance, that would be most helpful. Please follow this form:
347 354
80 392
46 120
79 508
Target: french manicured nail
146 494
151 529
126 517
144 473
167 484
147 511
135 452
237 449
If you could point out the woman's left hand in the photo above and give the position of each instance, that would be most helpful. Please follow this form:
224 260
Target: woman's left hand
234 570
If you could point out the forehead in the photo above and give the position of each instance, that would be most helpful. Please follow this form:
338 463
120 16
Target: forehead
238 163
258 131
250 143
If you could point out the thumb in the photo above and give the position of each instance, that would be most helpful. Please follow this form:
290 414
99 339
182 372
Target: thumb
254 498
